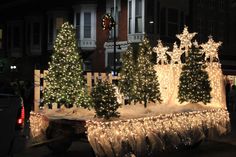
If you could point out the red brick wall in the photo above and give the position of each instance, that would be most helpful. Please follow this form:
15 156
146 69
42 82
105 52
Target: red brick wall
123 21
98 58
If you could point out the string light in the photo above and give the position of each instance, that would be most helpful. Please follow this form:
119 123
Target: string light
185 40
211 49
168 131
175 55
161 52
38 126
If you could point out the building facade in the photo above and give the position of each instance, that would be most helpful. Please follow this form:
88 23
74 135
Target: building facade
27 34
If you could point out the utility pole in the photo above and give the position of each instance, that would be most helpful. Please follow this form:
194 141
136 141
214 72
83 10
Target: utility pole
114 58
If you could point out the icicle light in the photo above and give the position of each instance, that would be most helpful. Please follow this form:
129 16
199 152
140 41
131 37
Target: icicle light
148 135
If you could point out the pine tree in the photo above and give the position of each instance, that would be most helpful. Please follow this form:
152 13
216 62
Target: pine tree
64 81
126 82
146 85
105 101
194 84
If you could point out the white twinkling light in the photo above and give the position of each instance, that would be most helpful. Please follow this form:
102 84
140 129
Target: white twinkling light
161 50
185 40
211 49
162 132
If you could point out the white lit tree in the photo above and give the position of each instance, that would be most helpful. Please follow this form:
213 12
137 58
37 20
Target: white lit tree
64 81
146 86
126 82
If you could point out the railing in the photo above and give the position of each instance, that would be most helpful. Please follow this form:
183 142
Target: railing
87 44
134 38
91 78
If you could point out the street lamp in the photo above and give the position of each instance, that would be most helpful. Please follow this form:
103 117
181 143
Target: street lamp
108 23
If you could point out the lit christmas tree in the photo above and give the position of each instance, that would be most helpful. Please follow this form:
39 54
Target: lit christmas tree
146 86
126 82
194 84
64 81
105 100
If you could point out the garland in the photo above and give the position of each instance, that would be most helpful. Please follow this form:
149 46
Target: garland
108 22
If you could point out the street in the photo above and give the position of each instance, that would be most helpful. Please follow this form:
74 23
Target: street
222 147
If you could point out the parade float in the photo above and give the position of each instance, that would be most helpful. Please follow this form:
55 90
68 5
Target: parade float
174 103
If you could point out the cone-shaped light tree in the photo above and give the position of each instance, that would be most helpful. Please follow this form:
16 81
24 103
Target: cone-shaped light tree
64 81
146 85
126 82
194 83
105 100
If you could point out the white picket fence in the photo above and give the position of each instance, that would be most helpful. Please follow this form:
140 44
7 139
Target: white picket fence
90 77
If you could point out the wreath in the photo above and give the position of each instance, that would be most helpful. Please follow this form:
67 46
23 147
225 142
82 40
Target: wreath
108 22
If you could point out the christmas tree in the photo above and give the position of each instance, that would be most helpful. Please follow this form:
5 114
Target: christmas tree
146 86
126 82
194 84
64 81
105 101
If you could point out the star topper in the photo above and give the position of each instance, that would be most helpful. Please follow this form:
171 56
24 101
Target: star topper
211 48
175 54
185 39
161 52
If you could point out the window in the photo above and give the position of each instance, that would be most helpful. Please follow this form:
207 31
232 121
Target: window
130 15
50 31
135 16
0 38
221 4
172 22
200 28
15 38
77 25
211 28
59 22
55 20
221 31
87 25
36 33
138 16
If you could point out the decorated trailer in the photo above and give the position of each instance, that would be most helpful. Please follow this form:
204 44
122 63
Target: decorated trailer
173 104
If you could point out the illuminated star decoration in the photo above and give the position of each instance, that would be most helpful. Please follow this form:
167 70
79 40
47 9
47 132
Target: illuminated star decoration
160 50
211 49
185 39
175 55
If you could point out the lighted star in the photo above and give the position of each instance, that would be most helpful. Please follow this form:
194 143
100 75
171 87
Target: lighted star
185 39
211 49
175 54
160 50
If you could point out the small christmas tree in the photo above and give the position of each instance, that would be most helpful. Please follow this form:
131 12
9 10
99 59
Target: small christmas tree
126 82
146 86
194 84
64 81
105 101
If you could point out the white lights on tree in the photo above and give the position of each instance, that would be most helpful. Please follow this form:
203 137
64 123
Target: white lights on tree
185 40
211 49
160 50
175 55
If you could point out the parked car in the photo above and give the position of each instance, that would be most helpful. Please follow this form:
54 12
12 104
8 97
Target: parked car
12 139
